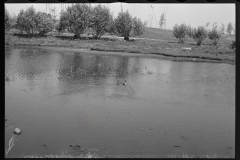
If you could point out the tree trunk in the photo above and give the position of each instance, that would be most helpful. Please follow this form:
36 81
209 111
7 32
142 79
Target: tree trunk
199 43
126 38
75 37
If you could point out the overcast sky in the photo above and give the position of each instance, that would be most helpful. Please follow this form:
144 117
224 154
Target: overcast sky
193 14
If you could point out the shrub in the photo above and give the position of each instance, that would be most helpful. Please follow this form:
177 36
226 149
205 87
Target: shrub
34 23
198 34
214 35
181 32
100 20
76 19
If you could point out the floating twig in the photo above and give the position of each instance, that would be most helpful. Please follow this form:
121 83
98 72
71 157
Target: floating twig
11 143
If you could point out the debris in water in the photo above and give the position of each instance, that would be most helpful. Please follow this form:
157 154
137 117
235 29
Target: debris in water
185 138
176 146
229 148
79 150
75 146
17 131
143 129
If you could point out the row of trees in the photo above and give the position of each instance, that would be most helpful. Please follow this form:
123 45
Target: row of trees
182 31
80 17
77 19
229 28
34 23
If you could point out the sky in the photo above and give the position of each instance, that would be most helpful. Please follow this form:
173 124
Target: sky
191 14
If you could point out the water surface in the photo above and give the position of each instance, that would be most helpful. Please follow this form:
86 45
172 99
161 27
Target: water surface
166 108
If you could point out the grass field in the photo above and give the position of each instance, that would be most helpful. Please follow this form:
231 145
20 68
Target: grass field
155 33
153 41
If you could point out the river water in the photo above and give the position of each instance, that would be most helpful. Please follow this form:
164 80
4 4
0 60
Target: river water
167 108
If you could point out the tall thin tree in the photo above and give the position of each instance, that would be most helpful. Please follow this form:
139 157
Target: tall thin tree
229 28
162 21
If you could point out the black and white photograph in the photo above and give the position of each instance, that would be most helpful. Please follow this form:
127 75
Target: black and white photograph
120 80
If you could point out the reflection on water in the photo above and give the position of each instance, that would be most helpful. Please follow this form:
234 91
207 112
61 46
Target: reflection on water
166 108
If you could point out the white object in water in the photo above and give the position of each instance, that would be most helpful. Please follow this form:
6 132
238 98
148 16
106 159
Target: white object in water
17 131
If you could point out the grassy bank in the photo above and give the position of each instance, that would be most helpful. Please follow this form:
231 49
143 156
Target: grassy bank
145 44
